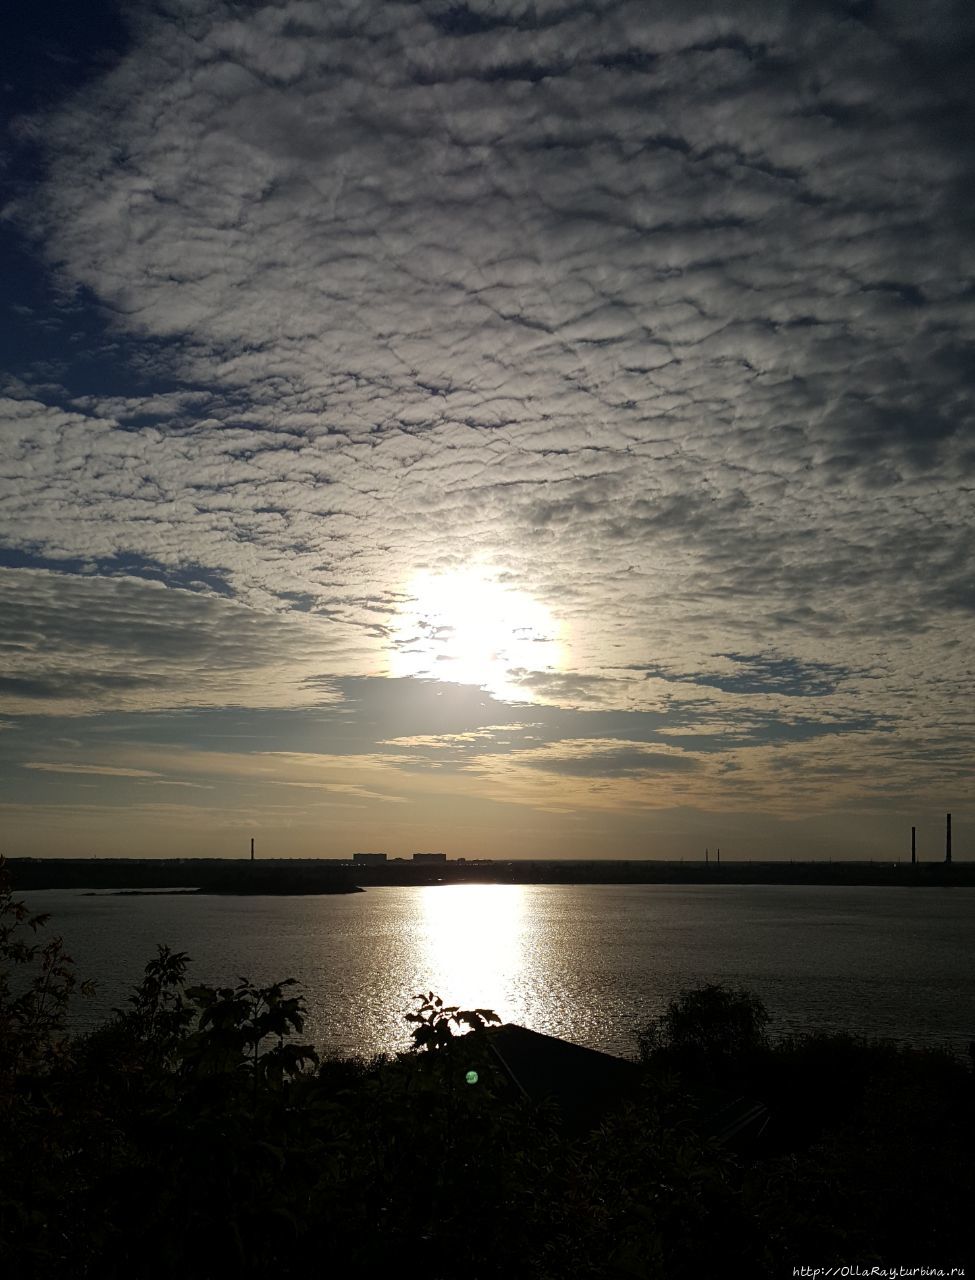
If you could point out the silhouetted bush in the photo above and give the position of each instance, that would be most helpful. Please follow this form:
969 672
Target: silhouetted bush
705 1028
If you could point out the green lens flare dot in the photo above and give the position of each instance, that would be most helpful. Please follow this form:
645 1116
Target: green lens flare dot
471 1077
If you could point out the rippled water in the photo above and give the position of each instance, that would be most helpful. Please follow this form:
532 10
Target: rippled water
587 962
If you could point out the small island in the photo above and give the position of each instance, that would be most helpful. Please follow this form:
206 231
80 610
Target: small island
230 886
278 881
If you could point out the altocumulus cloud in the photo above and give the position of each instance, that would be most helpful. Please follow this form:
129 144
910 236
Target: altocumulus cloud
665 312
617 762
100 770
77 644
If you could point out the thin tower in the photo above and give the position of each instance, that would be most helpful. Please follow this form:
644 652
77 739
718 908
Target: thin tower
913 846
948 838
252 848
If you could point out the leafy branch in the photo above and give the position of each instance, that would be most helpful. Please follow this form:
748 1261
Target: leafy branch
434 1022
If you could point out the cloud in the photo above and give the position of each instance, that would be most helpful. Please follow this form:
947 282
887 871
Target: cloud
663 315
176 782
567 688
338 789
76 644
108 771
617 762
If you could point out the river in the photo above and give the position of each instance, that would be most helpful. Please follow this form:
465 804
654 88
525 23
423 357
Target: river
586 962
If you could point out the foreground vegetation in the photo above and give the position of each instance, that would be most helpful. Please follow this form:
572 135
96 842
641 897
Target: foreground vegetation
194 1135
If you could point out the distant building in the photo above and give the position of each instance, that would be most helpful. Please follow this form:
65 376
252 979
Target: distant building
368 859
429 857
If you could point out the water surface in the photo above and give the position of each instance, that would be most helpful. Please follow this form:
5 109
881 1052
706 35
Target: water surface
587 962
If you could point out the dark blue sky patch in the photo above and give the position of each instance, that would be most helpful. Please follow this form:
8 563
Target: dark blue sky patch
463 20
49 51
69 339
186 577
20 558
762 673
52 47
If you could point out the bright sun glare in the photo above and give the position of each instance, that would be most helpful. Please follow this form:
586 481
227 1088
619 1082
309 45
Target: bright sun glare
466 627
474 943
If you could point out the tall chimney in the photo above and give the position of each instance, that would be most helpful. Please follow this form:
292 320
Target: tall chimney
913 846
252 848
948 838
719 855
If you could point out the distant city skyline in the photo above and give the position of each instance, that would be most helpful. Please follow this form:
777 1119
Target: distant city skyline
512 429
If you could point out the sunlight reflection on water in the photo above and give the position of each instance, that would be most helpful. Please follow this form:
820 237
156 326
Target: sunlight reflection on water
587 962
474 943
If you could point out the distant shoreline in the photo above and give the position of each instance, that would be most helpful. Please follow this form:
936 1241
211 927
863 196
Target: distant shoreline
283 890
313 876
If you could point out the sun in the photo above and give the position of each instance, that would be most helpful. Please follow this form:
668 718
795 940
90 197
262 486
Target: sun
466 627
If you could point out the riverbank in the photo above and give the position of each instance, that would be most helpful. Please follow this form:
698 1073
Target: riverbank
333 876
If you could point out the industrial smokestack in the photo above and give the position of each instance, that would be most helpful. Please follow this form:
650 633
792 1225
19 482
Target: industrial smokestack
948 838
252 848
913 846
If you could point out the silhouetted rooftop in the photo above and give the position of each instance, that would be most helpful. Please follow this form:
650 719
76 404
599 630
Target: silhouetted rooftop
581 1081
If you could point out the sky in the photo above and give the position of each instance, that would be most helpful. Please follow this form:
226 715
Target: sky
521 428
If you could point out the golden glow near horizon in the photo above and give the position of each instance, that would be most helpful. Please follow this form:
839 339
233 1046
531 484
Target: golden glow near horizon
473 942
466 627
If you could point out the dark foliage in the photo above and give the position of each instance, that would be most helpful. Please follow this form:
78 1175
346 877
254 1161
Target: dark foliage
434 1021
706 1029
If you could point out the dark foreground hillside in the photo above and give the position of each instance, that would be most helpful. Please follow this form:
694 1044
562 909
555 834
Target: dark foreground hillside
194 1135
